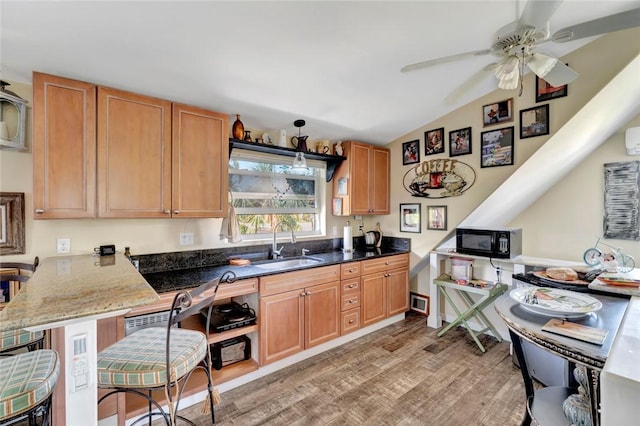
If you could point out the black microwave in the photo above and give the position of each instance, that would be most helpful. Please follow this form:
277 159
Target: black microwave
497 243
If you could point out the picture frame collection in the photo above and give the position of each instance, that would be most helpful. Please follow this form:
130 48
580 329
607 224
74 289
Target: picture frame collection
497 146
533 122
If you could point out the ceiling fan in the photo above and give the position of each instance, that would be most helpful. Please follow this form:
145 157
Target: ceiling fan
515 45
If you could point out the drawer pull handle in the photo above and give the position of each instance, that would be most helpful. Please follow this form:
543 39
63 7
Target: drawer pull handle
302 294
167 211
308 293
352 285
176 212
350 270
352 301
39 211
351 321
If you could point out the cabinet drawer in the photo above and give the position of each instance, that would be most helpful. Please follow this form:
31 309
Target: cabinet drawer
278 283
350 286
237 288
350 301
385 263
349 270
350 321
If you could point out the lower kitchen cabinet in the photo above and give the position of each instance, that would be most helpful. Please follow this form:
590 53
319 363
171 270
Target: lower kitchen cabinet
298 319
385 288
298 310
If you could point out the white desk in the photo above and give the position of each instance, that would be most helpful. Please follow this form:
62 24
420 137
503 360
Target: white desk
74 292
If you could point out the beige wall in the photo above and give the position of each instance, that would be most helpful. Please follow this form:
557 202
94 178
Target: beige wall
561 224
565 220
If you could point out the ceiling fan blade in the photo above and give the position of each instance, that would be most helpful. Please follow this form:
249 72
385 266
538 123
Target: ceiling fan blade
443 60
469 84
608 24
559 75
537 13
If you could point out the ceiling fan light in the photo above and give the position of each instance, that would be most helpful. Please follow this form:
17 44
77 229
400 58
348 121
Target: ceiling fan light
541 64
507 67
509 83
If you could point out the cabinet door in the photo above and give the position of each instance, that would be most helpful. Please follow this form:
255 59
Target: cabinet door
397 291
64 148
379 190
134 155
374 298
200 154
360 165
281 325
322 313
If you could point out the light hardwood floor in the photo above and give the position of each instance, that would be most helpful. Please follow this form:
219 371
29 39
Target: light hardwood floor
400 375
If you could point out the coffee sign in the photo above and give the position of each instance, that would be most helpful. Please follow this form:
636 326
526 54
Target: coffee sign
439 178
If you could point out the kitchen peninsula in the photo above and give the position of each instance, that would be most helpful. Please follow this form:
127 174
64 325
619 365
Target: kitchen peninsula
73 293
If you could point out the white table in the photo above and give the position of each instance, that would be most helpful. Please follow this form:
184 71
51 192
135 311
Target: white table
74 292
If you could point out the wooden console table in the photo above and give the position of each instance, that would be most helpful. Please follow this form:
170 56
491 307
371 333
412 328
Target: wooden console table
472 309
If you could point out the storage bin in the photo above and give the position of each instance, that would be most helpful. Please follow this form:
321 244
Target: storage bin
461 268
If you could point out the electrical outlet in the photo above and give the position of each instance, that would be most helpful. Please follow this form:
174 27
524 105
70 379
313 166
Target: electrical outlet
186 238
334 230
63 245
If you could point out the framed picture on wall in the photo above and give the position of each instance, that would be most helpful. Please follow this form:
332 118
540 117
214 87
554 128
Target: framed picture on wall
460 142
410 152
410 219
434 141
497 147
437 218
534 121
496 113
545 91
12 236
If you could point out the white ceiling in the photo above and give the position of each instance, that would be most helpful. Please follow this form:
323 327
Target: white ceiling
334 64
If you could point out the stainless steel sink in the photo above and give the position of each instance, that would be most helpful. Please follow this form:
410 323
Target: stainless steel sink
288 263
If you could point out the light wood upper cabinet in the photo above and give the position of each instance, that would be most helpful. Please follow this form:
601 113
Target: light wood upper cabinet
107 153
64 148
365 178
134 155
200 153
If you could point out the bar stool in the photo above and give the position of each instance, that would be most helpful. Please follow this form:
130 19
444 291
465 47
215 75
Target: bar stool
164 359
16 339
26 384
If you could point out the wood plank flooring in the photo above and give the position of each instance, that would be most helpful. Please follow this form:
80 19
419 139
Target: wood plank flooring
400 375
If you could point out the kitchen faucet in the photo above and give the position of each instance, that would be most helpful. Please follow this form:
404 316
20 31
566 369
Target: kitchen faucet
277 252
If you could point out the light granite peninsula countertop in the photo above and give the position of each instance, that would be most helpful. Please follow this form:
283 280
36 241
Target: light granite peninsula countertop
73 287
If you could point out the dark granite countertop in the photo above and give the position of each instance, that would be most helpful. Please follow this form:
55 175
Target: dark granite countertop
171 280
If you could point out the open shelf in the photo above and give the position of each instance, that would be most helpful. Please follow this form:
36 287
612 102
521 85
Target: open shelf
136 405
332 160
195 323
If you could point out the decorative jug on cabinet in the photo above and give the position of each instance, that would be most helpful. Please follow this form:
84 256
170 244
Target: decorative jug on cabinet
299 143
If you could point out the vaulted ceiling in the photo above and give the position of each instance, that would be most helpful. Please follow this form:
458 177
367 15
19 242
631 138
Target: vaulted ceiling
334 64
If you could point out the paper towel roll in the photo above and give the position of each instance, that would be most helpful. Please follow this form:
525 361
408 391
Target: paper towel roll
347 244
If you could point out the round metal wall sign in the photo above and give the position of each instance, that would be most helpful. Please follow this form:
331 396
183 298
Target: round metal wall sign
439 178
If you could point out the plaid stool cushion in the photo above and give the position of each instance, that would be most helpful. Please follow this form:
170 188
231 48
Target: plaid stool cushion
26 380
15 338
139 360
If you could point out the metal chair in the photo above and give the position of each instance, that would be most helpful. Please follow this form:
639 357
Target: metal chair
139 363
26 384
13 340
